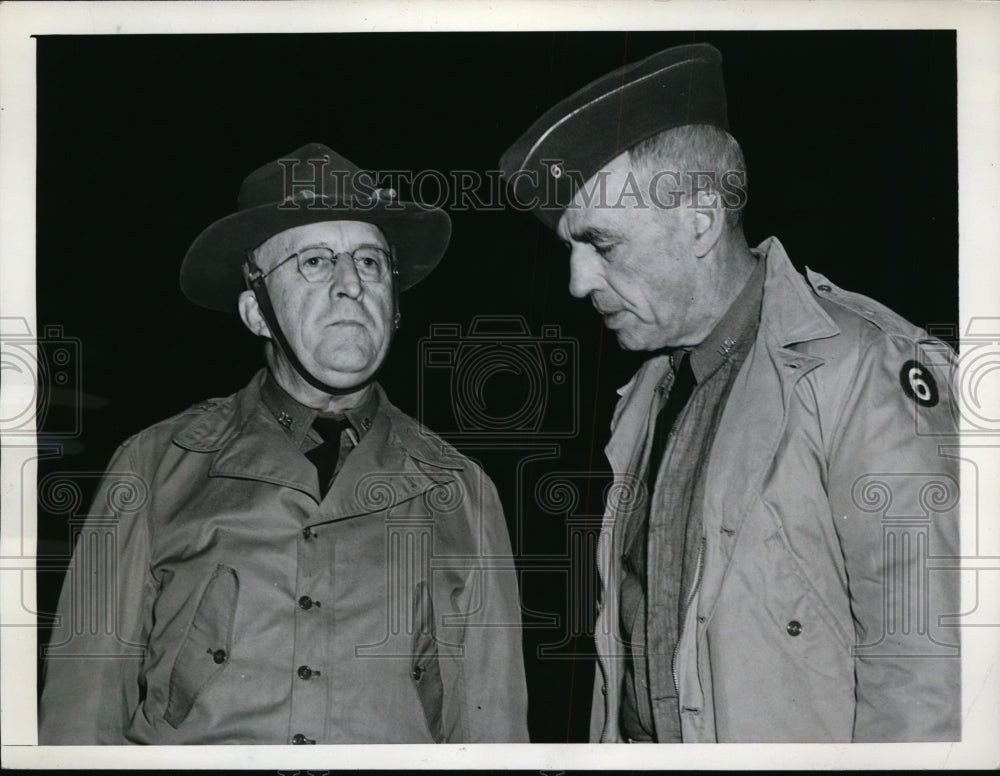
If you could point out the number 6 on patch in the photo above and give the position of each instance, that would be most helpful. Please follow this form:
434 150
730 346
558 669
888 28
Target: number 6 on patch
918 384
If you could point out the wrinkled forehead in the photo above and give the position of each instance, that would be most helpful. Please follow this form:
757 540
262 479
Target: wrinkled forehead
336 235
603 198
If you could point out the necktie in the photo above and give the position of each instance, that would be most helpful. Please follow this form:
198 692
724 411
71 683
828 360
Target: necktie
635 532
680 392
326 456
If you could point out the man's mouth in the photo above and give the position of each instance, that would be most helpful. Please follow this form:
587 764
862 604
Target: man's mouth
345 321
609 316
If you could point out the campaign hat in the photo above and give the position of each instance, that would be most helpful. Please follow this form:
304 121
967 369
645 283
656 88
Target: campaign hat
308 185
576 137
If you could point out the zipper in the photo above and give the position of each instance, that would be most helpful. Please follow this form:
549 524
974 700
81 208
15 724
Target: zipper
607 716
600 661
687 605
604 678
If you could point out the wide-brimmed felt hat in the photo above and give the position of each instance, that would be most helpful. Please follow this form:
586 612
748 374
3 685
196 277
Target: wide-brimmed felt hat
308 185
577 136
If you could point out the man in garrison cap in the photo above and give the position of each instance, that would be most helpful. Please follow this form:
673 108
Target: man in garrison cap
300 562
785 443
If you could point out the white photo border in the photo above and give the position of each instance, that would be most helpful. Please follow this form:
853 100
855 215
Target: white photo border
978 29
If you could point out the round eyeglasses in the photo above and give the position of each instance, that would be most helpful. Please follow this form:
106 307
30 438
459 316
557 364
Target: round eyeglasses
317 264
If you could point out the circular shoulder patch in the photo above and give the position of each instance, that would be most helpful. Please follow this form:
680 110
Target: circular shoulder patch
918 383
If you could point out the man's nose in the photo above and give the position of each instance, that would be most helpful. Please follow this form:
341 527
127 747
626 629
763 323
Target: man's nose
584 274
346 280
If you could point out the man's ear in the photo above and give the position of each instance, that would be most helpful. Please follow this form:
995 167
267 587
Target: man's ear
251 315
709 222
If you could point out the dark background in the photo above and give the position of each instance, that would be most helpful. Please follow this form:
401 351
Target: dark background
850 140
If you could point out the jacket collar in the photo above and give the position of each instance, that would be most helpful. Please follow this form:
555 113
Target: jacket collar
789 315
297 419
734 331
241 427
798 317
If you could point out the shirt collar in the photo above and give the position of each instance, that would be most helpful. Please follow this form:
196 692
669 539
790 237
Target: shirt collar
297 419
736 324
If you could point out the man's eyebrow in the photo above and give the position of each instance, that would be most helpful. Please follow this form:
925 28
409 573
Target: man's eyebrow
310 246
592 234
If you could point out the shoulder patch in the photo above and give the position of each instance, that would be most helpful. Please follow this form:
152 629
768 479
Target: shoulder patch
918 383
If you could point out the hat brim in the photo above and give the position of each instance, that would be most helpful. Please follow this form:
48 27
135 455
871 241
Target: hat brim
212 271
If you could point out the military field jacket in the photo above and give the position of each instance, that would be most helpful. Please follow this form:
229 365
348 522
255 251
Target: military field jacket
214 598
823 610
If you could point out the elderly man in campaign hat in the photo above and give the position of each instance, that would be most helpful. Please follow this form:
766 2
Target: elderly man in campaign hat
272 579
769 581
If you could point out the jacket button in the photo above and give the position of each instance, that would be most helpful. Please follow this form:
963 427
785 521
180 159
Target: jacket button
219 656
794 628
298 738
304 672
416 673
305 602
824 287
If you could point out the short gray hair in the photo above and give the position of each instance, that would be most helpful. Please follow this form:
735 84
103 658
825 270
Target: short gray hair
701 148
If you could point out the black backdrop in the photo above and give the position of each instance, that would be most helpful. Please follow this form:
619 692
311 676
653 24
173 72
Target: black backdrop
850 139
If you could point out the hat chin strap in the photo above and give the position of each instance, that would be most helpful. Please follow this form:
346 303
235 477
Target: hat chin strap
267 310
255 279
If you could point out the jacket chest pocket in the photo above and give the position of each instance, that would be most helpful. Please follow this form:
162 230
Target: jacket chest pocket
205 652
425 668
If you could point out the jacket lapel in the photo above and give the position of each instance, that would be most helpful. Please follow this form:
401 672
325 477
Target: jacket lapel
393 462
753 422
391 465
629 432
249 443
632 414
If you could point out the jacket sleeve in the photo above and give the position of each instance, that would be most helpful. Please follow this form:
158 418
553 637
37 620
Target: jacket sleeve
91 675
496 697
893 486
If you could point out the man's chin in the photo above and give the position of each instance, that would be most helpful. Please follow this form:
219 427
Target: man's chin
347 375
634 344
627 340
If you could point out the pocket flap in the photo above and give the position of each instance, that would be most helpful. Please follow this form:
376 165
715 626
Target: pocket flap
206 649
